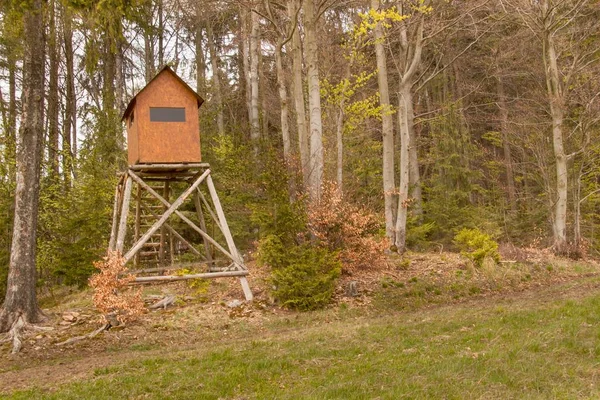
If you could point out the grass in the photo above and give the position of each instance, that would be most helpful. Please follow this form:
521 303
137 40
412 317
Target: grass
487 349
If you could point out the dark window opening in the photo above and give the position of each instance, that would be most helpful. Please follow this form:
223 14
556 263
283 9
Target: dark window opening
167 114
131 120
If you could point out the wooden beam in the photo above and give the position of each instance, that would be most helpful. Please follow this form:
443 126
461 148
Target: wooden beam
115 227
202 224
208 207
173 278
174 232
227 233
172 208
124 213
185 219
222 221
138 212
158 167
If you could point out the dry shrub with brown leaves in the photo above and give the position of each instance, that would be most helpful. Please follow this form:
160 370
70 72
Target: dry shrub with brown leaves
111 295
348 229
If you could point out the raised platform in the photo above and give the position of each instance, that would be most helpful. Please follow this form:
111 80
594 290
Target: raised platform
153 210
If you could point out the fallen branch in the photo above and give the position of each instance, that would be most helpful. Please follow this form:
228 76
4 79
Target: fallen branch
90 335
164 303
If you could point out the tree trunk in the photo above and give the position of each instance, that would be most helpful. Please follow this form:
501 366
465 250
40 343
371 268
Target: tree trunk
21 300
11 130
404 102
283 100
254 56
216 80
510 179
413 157
387 130
314 102
556 110
339 135
200 60
70 122
53 99
298 91
245 60
148 46
161 34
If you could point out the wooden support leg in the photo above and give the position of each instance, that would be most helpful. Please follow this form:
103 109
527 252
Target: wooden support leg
227 233
138 214
203 227
124 214
246 288
172 209
174 232
115 227
183 218
222 221
162 248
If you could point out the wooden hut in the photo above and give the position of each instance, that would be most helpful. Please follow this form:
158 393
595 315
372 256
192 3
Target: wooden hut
162 122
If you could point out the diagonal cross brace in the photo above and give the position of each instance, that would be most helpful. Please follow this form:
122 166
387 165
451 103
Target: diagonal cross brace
184 219
172 208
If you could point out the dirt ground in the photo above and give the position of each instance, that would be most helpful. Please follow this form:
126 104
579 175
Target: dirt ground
207 315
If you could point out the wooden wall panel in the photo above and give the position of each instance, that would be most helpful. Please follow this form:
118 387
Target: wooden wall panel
166 142
132 140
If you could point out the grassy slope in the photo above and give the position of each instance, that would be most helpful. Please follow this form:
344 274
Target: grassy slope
520 348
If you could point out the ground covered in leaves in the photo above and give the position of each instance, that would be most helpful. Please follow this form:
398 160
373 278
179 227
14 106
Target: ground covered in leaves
427 294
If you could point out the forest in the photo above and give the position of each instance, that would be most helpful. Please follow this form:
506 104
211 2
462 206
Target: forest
340 132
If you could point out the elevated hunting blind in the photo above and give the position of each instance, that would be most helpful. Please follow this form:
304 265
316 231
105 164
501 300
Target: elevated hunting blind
165 171
162 122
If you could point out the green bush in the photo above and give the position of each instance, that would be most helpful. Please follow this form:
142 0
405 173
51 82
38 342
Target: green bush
477 246
303 277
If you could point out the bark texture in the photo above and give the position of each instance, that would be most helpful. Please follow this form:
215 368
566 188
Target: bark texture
314 102
387 130
21 301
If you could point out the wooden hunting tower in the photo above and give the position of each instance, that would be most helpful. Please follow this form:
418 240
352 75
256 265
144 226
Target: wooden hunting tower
165 170
162 122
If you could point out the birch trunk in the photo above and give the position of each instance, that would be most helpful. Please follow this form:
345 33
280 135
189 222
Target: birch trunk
314 103
21 300
387 130
298 91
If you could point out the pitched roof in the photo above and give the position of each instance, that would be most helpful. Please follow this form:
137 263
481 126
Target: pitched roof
160 71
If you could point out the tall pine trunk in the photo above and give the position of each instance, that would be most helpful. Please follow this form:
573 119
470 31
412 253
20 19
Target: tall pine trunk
21 299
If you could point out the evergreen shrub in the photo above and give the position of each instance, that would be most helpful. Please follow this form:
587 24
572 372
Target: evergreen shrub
303 276
477 246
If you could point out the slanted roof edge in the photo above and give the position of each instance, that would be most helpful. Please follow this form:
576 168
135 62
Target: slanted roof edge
160 71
